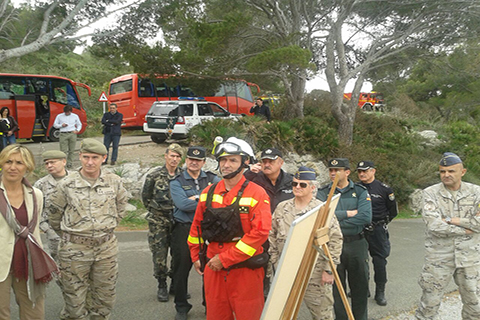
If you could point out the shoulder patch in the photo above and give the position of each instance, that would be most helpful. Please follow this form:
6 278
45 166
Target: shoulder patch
391 196
429 206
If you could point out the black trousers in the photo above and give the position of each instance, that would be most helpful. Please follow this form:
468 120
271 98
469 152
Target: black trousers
354 268
182 265
379 247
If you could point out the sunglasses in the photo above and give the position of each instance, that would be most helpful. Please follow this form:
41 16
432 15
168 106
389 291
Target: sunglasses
302 184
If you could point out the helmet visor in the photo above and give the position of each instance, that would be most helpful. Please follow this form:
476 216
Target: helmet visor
227 148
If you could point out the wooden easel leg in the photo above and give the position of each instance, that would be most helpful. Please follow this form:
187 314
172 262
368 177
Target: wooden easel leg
338 282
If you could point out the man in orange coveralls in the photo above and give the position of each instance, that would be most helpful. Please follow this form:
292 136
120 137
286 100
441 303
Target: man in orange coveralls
233 216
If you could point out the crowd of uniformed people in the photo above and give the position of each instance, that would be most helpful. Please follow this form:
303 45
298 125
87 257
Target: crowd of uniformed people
231 228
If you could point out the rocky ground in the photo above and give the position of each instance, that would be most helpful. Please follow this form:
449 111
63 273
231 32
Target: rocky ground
146 154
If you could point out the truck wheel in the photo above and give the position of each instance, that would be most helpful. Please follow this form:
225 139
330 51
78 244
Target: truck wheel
54 134
367 107
158 138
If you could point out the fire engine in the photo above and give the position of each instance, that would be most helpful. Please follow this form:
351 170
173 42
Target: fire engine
368 101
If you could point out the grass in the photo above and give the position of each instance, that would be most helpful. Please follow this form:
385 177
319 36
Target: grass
134 220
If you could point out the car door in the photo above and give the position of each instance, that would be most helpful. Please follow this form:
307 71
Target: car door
204 112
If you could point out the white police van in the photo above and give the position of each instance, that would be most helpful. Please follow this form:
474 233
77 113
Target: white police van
173 119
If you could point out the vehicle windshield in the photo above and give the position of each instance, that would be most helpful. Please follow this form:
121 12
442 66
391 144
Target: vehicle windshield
171 110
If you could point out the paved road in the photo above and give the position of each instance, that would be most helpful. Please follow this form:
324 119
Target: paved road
136 287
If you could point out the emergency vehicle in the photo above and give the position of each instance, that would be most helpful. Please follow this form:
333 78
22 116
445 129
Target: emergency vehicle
368 101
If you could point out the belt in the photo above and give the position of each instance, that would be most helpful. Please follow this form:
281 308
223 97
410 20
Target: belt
66 131
89 241
354 237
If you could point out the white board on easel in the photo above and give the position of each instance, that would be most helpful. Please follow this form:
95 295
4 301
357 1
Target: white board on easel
297 241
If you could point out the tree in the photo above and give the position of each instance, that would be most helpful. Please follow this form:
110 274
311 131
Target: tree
49 22
347 39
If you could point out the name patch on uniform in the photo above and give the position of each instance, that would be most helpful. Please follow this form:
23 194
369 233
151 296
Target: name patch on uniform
105 190
244 209
187 187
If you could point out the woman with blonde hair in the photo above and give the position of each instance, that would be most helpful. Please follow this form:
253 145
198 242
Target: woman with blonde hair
24 266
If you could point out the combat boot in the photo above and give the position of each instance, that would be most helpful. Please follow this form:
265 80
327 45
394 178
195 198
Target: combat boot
162 293
380 294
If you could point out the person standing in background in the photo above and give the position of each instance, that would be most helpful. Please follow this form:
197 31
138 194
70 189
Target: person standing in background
261 110
112 131
12 127
69 125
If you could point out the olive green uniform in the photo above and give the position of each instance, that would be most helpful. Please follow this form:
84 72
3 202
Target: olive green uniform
354 259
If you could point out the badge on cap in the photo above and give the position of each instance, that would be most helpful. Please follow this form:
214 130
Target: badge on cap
334 162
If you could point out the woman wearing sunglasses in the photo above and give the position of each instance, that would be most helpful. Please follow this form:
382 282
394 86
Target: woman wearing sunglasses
318 298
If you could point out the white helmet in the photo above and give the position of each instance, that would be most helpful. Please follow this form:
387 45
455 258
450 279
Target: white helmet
232 146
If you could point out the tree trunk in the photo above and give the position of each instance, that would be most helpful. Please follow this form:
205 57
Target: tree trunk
295 95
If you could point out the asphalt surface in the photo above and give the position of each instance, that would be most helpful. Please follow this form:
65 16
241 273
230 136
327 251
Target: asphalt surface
136 288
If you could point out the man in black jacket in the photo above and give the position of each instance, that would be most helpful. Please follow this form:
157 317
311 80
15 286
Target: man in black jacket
260 109
384 209
112 131
270 176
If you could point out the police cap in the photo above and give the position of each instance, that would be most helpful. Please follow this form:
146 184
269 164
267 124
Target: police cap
90 145
449 159
341 163
271 153
365 165
196 153
53 154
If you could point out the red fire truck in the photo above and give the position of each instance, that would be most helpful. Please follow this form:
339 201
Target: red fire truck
368 101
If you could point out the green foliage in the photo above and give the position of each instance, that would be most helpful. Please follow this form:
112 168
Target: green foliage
135 220
272 59
315 136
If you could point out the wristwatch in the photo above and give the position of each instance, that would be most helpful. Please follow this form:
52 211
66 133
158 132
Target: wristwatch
448 220
329 272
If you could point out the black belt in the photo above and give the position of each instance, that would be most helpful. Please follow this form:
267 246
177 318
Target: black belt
66 131
353 238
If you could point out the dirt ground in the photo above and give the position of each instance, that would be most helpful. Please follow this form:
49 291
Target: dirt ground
146 154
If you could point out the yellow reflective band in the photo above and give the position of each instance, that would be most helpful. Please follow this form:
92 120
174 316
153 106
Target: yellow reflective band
245 248
203 197
194 240
216 198
248 202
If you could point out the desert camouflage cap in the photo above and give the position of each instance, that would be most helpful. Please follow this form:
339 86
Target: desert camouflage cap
90 145
53 154
175 147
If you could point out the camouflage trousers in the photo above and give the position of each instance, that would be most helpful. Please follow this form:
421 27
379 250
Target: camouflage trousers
434 279
159 239
319 299
88 275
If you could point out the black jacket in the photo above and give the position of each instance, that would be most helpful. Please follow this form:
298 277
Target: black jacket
281 191
112 123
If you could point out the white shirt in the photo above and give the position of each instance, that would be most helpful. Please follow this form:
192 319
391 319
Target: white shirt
72 121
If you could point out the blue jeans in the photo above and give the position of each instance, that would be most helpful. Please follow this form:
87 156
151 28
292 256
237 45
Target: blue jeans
8 139
108 139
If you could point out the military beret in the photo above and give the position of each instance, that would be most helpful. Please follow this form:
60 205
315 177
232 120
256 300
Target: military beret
196 153
271 154
175 147
449 159
53 154
339 163
90 145
305 173
365 165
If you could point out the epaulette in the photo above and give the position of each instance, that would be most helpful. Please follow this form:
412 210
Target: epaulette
324 186
211 175
385 185
358 184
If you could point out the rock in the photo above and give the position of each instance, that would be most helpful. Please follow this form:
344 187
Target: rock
430 138
130 207
415 201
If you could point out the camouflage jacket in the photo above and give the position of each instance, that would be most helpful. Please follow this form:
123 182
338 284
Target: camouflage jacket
447 241
156 193
87 210
48 185
282 219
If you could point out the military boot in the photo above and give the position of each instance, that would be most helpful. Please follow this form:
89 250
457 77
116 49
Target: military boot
380 294
162 293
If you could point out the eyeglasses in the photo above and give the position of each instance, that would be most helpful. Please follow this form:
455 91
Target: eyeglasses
302 184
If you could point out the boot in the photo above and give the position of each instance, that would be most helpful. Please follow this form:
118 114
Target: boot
162 293
380 294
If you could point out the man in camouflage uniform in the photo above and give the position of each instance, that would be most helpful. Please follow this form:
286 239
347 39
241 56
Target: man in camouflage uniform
55 162
156 198
85 210
319 294
451 211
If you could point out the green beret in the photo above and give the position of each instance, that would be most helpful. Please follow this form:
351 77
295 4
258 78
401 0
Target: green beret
90 145
175 147
53 154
